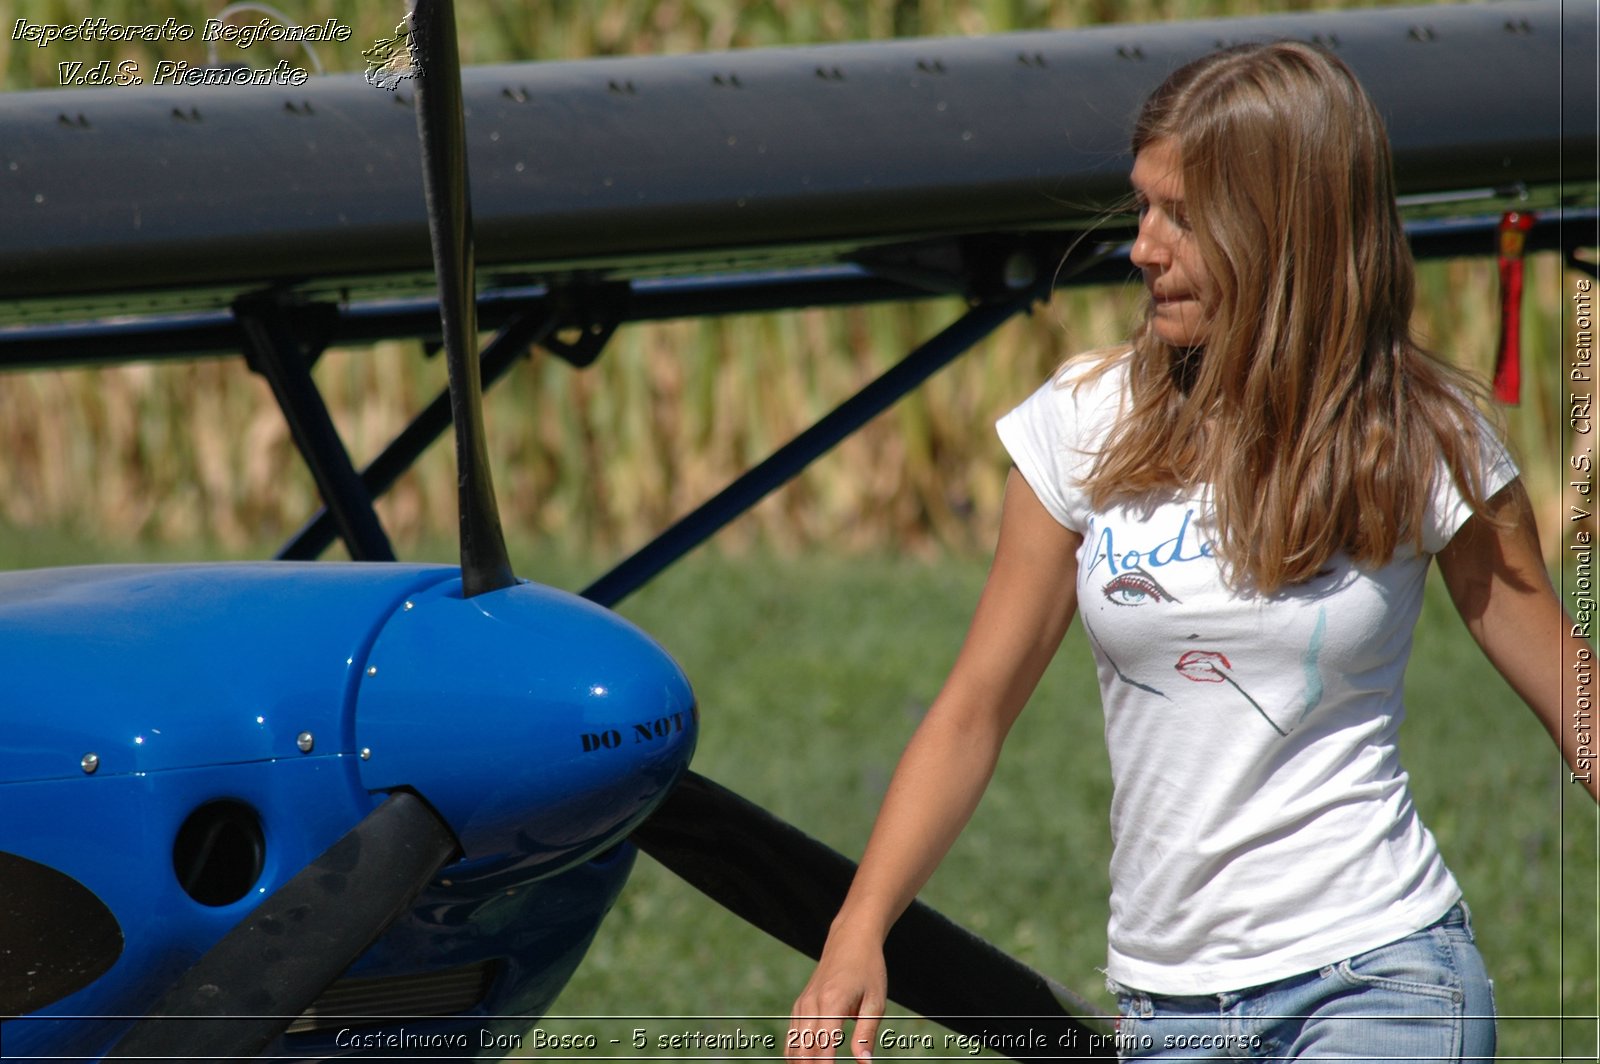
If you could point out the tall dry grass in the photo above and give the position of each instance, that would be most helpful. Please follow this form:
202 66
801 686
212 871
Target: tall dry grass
602 457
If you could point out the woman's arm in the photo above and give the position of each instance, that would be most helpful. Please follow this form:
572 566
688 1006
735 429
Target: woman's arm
1026 606
1498 582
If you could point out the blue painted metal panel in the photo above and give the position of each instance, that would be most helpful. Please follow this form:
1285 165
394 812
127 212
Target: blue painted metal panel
154 668
114 834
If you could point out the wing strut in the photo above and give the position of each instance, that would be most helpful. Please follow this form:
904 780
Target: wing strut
790 886
273 350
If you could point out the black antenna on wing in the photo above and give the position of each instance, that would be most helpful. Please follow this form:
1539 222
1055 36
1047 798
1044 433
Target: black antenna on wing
485 566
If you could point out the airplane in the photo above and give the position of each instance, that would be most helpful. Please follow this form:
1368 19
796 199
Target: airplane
252 806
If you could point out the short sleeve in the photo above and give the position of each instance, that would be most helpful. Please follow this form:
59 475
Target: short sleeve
1449 510
1053 437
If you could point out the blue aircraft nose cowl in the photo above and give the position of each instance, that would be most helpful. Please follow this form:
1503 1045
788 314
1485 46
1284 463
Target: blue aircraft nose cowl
538 724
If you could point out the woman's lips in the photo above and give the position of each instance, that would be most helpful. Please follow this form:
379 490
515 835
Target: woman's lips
1204 666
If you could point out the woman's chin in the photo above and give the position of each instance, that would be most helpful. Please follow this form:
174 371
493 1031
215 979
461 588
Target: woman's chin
1177 329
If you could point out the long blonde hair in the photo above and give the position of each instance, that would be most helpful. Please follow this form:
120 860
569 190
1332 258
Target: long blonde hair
1312 413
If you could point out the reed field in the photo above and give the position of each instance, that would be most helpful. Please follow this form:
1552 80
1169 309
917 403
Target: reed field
818 627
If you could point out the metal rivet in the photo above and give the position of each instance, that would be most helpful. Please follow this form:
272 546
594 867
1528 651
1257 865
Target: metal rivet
409 604
305 741
89 763
372 670
366 753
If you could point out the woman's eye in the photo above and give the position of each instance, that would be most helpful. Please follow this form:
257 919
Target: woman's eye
1135 588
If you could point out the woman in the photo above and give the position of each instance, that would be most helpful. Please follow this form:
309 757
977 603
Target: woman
1242 505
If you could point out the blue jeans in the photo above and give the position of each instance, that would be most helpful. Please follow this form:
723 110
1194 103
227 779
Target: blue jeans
1425 997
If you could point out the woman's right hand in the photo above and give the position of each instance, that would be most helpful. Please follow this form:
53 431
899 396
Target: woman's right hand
850 984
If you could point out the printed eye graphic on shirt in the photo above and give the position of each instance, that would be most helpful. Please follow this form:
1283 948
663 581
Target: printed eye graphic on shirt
1135 587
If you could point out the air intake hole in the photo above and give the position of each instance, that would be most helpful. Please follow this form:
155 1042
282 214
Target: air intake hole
219 853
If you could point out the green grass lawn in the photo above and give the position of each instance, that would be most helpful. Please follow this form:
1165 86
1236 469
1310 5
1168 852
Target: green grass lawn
811 673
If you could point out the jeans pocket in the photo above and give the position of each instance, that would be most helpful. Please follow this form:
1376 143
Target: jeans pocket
1409 1002
1419 965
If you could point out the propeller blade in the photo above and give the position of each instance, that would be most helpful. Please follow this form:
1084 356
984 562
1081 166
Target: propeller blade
485 565
791 886
278 960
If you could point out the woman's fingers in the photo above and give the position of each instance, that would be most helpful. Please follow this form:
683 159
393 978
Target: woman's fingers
813 1035
822 1035
866 1029
838 1011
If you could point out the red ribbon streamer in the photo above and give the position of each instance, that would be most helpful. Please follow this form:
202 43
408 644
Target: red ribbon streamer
1514 226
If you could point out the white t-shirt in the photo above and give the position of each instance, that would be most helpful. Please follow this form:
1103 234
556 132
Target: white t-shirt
1261 823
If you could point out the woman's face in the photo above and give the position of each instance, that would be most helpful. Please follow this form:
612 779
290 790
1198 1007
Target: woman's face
1166 251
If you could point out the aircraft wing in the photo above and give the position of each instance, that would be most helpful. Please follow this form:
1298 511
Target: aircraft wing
136 201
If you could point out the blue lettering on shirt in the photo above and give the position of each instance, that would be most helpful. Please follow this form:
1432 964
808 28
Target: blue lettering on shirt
1186 546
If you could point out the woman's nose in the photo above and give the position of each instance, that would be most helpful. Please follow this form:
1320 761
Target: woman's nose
1149 249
